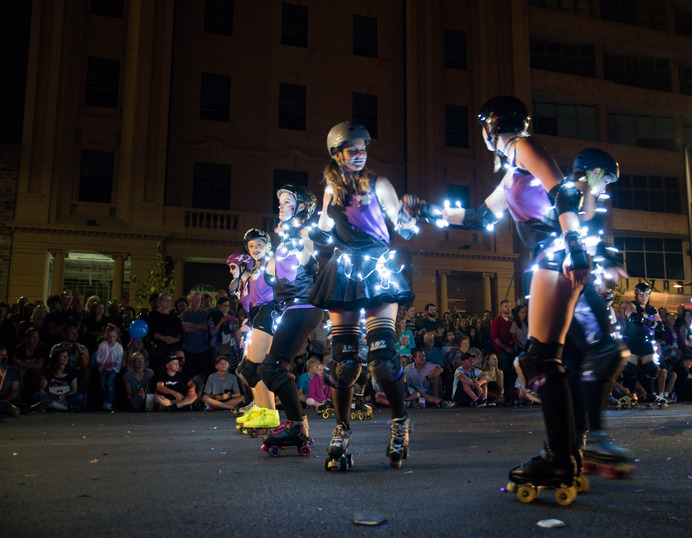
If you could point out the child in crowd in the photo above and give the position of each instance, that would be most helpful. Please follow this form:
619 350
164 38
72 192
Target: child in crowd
174 390
303 383
109 358
319 393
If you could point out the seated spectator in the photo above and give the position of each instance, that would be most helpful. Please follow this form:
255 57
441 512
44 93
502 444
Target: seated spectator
303 383
94 326
78 356
10 391
59 384
411 395
62 317
136 346
495 378
109 359
8 330
38 322
221 391
319 339
137 382
319 393
404 338
166 333
174 390
470 387
30 359
433 354
449 345
683 384
426 379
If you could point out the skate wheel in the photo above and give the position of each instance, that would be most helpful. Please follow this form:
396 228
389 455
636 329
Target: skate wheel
325 414
275 451
253 433
588 467
343 463
354 415
581 483
265 448
304 451
527 493
511 487
565 495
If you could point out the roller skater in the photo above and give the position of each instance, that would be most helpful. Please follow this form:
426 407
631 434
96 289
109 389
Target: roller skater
603 456
545 210
361 274
289 434
545 471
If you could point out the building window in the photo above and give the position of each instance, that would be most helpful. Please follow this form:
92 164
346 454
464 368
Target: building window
647 193
570 58
568 121
365 36
579 7
107 8
103 76
456 126
647 13
96 176
683 22
455 49
218 17
650 73
215 101
686 81
292 107
642 131
364 111
652 258
283 177
211 186
294 25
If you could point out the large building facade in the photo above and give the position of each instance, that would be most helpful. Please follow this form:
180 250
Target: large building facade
173 122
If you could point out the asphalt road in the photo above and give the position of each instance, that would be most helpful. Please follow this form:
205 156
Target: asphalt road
192 474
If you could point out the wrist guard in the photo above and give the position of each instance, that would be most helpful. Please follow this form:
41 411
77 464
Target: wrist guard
479 219
292 238
576 250
319 236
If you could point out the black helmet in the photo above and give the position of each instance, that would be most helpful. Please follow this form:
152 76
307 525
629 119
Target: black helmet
302 195
591 158
642 287
504 114
256 233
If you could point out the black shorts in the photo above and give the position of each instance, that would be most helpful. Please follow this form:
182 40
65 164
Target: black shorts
262 318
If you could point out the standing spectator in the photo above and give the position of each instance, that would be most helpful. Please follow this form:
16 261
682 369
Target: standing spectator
409 314
181 305
109 358
500 332
404 338
94 326
429 324
127 316
195 336
166 333
520 329
484 326
61 317
224 331
8 330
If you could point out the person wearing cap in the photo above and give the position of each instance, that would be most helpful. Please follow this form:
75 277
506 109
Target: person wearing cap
470 386
221 391
174 390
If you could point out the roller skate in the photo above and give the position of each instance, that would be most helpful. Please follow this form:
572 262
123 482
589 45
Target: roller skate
288 434
545 471
338 448
398 443
360 410
655 401
629 401
581 483
325 409
250 414
603 456
266 420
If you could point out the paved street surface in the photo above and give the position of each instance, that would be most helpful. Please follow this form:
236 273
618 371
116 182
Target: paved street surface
191 474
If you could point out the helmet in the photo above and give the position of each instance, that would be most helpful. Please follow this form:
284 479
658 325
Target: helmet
591 158
302 195
345 132
241 259
642 287
256 233
504 114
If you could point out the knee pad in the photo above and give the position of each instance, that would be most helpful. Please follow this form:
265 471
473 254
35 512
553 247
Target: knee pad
248 371
274 371
649 370
602 361
344 367
383 360
539 364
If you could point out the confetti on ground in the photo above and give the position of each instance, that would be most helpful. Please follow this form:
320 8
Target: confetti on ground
551 523
83 495
94 461
278 522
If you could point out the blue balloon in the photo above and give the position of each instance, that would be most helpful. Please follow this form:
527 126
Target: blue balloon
138 329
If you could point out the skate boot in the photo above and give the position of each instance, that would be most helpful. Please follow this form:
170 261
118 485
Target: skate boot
325 409
629 401
581 483
655 401
338 449
287 434
248 415
360 410
603 456
545 471
262 422
398 443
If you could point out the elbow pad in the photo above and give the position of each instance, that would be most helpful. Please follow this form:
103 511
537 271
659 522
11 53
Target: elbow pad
319 236
479 219
566 196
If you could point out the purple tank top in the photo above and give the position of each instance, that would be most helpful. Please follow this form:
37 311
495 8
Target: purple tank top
259 290
526 197
364 212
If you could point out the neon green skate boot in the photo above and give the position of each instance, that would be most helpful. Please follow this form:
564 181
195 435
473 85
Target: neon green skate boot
254 411
261 423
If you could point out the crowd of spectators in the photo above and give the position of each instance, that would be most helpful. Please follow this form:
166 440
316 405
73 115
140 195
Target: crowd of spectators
71 354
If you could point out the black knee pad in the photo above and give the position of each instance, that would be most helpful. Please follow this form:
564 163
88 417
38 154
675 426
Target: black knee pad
274 371
344 367
539 363
649 370
383 360
248 371
602 361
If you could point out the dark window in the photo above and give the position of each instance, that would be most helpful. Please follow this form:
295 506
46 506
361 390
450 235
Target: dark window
365 36
652 258
215 102
96 176
107 8
686 81
683 22
642 72
102 82
294 25
580 7
570 58
365 112
292 107
211 188
647 193
218 17
456 126
281 178
455 49
568 121
642 131
646 13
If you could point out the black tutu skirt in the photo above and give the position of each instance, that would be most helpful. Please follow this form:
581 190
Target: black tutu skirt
359 280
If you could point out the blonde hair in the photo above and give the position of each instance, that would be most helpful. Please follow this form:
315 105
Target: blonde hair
312 362
131 362
345 183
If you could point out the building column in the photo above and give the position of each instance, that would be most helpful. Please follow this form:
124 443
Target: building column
58 272
488 291
444 304
118 276
179 268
